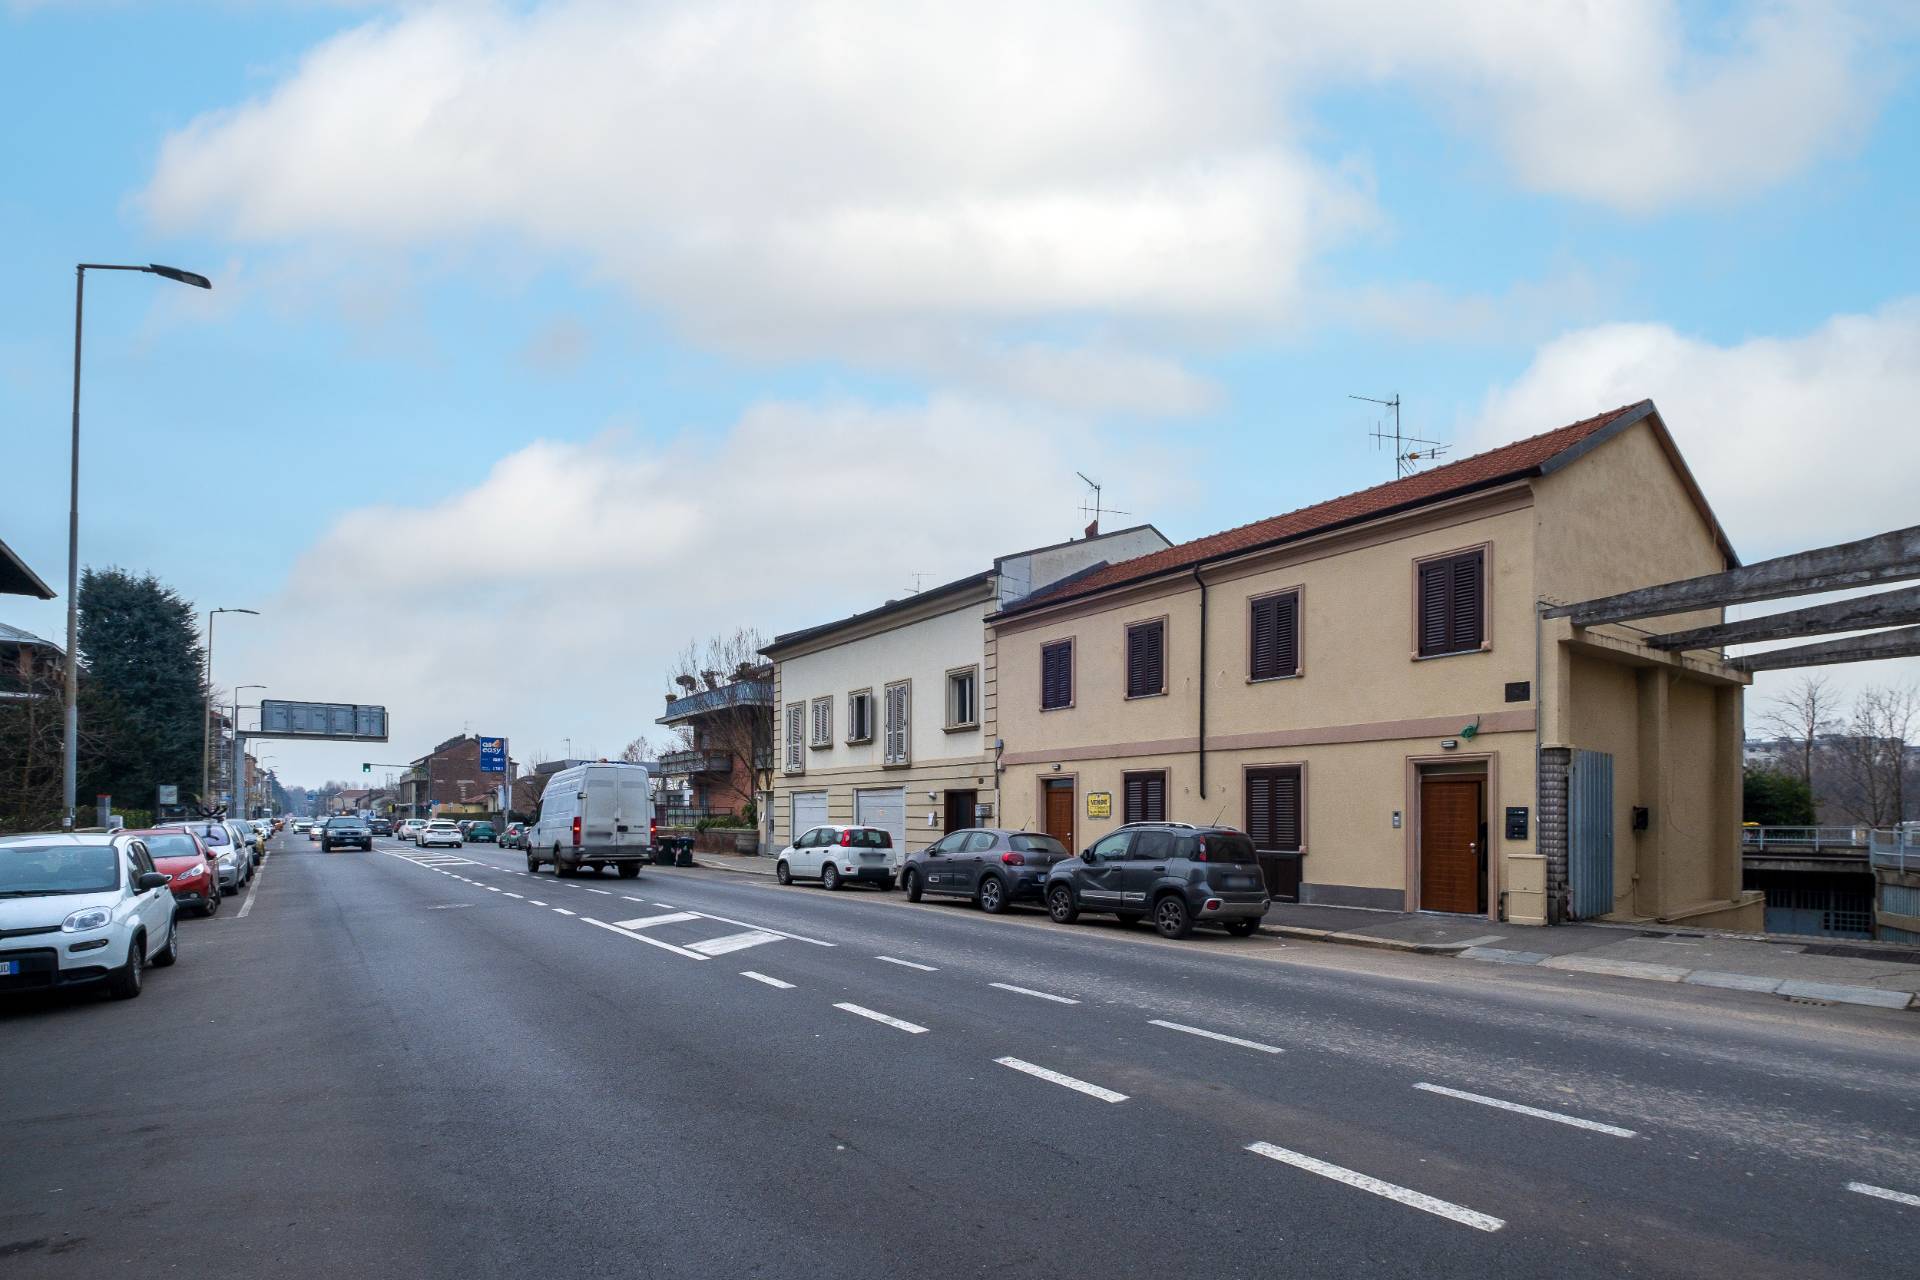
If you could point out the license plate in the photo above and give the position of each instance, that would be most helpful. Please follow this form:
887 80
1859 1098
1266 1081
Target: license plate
8 968
1239 882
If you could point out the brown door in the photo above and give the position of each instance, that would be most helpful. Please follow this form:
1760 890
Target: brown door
960 809
1450 844
1059 815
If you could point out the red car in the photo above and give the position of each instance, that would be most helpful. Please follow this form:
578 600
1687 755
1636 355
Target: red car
182 858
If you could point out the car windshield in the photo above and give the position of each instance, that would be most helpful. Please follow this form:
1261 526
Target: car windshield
1038 844
171 846
38 870
868 838
336 824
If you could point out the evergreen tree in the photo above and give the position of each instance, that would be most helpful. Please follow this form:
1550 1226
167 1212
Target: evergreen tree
1775 798
142 701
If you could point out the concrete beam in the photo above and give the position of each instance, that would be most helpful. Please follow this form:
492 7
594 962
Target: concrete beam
1885 557
1901 643
1864 613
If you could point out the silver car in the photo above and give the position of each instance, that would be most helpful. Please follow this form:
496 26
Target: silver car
232 861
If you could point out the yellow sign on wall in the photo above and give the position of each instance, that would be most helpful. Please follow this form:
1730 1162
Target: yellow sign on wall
1099 804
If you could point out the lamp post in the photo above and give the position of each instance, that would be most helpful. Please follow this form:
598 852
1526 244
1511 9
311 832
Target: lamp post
70 765
206 728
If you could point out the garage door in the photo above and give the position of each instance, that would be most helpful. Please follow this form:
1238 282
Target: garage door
886 810
809 810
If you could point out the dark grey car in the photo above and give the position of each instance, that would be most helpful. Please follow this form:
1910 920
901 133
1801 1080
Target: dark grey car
994 867
1180 875
346 830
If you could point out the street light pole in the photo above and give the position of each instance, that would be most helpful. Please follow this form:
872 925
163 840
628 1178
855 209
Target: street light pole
70 761
206 726
239 789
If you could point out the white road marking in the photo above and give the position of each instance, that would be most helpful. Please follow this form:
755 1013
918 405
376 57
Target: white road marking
563 911
1215 1035
605 893
1515 1107
1029 991
748 924
1401 1195
521 896
908 964
733 942
772 982
253 892
1882 1193
667 905
1054 1077
536 902
641 937
491 889
911 1028
648 922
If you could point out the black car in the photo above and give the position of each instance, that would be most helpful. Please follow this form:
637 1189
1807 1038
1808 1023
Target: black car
382 826
345 830
1180 875
993 867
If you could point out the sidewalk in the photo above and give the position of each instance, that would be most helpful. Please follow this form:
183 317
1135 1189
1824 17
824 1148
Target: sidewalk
1830 970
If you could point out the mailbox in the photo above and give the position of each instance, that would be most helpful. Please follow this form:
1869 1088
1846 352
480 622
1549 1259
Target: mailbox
1517 822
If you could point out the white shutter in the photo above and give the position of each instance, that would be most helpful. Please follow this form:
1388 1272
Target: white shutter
796 746
897 728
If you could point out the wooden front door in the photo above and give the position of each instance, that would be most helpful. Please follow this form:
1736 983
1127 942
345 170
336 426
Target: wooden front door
1059 813
960 809
1450 853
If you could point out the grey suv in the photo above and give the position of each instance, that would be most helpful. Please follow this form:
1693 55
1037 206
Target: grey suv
993 867
344 831
1180 875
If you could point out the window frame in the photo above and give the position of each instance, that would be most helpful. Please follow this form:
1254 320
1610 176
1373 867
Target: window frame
1073 672
866 696
972 674
819 714
1485 551
1126 652
1127 816
905 758
1299 593
793 739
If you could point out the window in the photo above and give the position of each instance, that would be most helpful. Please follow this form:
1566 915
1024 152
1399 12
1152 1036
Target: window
1114 846
1273 808
1452 603
898 745
796 726
980 842
1151 846
947 844
963 699
1273 636
1144 796
860 716
822 723
1147 659
1056 675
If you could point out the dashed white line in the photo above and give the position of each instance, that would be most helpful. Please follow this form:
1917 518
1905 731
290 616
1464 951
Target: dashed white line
1882 1193
1029 991
563 911
536 902
491 889
605 893
772 982
908 964
1215 1035
911 1028
630 898
1557 1117
1066 1081
1365 1182
521 896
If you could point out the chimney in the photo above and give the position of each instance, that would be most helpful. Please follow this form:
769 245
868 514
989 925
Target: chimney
1093 530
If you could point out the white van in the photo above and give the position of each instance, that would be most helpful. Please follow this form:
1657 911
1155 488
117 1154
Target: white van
593 815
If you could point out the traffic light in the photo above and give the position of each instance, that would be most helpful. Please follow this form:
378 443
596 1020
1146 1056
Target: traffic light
365 767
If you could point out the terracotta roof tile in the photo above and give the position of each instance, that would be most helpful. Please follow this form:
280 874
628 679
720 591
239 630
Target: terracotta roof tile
1507 462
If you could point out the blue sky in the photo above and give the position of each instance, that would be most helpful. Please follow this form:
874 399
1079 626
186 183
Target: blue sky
538 329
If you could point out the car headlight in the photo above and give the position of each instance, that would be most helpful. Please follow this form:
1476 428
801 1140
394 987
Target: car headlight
226 859
87 918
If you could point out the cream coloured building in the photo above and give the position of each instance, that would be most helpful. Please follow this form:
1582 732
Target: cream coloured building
1367 688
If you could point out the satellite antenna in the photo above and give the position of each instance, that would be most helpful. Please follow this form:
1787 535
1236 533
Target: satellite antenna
1092 507
1407 453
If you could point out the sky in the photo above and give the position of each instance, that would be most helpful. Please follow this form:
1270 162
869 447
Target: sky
546 338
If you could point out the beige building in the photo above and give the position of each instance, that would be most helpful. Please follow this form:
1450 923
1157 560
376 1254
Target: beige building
879 718
1366 687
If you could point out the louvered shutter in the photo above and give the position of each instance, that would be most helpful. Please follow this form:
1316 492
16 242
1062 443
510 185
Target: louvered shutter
895 746
1146 659
1260 810
1467 630
1135 786
1144 797
796 753
1435 596
1056 675
1273 809
1276 637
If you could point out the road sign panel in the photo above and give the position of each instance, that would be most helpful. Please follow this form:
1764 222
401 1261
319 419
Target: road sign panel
493 755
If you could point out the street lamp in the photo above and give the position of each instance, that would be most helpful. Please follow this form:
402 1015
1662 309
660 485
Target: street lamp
206 728
237 785
70 768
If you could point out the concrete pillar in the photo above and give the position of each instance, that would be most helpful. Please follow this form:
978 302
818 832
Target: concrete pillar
1729 761
1649 846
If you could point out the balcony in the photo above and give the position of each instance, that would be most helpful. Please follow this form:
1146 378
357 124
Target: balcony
687 762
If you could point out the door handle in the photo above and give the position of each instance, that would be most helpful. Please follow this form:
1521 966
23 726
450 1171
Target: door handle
1159 869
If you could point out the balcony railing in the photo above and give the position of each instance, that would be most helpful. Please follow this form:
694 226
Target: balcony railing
697 762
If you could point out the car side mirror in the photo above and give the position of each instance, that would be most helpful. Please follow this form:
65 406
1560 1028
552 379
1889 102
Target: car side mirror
153 880
1087 855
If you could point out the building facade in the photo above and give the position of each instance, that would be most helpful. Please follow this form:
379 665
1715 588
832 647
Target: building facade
723 764
1367 688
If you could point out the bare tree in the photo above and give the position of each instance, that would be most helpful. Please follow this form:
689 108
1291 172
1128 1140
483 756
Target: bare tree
638 751
729 683
1870 758
1807 709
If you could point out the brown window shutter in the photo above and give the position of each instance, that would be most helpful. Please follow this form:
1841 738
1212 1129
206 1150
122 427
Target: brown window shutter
1273 809
1144 797
1155 799
1146 659
1435 597
1468 614
1276 637
1056 674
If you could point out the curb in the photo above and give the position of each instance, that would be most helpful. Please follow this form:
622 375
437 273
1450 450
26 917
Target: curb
738 871
1786 988
1367 940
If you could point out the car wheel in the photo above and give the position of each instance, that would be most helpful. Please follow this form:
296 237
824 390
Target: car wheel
913 885
533 864
170 952
212 905
992 895
1171 918
131 976
829 877
1061 906
458 845
559 867
783 873
1242 928
1129 918
628 870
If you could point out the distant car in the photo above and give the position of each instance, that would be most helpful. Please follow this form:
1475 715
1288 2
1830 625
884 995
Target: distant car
1178 874
301 824
346 830
514 836
439 832
410 829
381 826
480 832
313 832
248 841
232 863
83 908
994 867
187 864
835 855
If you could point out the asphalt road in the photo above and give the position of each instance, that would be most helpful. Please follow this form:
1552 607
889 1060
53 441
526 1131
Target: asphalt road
406 1064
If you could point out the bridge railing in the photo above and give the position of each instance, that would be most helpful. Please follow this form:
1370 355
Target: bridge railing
1850 841
1896 850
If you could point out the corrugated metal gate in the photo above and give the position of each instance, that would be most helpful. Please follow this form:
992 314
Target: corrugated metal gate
1590 834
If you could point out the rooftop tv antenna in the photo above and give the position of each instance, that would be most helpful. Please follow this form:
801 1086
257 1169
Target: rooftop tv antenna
1407 453
916 588
1092 506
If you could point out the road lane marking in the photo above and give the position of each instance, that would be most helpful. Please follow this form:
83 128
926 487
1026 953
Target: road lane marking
536 902
748 924
248 904
648 922
1029 991
1882 1193
563 911
1215 1035
641 937
521 896
733 942
1557 1117
908 964
772 982
605 893
1054 1077
491 889
1401 1195
630 898
911 1028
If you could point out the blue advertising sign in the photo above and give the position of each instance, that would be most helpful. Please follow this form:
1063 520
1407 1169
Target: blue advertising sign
493 755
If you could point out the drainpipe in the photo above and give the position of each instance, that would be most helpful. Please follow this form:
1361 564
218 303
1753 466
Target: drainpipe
1202 582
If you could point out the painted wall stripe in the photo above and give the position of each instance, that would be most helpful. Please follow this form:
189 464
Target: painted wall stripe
1593 1126
1029 991
1215 1035
1400 1195
1065 1081
911 1028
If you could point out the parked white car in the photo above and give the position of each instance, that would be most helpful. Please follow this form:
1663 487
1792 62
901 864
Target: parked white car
250 843
83 908
410 829
836 855
439 832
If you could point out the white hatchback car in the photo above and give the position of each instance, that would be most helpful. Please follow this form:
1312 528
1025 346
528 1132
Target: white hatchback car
82 908
837 855
410 829
439 831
